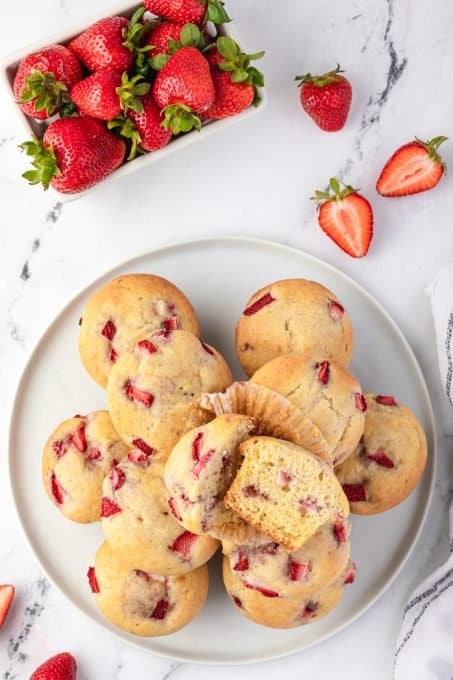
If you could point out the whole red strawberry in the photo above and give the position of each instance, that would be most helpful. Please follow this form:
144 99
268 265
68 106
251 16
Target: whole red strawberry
106 93
74 154
189 11
43 79
59 667
326 99
235 81
346 217
113 42
144 129
183 89
162 35
414 167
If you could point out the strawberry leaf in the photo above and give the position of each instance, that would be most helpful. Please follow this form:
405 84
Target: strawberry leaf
44 163
47 93
215 12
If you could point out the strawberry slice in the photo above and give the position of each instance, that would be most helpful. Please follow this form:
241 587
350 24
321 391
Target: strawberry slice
258 304
174 508
183 544
386 400
6 597
243 561
109 507
57 490
171 324
355 492
299 571
109 330
147 346
336 310
382 459
346 217
414 167
160 610
92 580
79 439
323 372
133 393
264 591
143 446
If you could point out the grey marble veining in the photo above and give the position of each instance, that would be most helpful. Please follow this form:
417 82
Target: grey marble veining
398 56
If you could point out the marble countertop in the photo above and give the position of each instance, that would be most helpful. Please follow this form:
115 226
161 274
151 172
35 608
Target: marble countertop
254 179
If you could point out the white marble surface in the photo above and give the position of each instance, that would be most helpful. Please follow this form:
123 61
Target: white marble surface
250 180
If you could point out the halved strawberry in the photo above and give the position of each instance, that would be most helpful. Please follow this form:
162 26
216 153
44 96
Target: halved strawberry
414 167
346 217
6 597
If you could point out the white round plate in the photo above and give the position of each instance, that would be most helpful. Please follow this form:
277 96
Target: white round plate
218 275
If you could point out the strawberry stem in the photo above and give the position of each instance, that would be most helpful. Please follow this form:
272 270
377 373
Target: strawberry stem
46 93
126 128
237 63
44 162
334 192
179 118
320 81
130 92
432 146
215 11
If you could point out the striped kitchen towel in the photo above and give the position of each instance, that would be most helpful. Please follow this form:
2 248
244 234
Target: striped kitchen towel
425 645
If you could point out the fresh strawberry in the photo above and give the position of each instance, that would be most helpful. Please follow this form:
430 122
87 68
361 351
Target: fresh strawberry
74 154
43 80
184 88
167 38
346 217
414 167
144 130
107 93
59 667
111 42
326 98
6 597
189 11
235 81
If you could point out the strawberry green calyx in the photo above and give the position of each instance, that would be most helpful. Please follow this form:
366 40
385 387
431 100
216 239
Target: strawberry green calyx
190 36
44 162
238 64
130 92
135 32
320 81
179 118
432 146
127 129
334 192
47 93
215 11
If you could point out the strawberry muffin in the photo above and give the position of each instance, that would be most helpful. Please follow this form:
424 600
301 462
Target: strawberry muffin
152 387
199 471
124 308
267 565
143 603
284 491
76 458
389 459
137 519
269 608
293 315
273 415
326 392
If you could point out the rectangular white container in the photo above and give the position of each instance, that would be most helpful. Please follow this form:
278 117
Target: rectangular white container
33 127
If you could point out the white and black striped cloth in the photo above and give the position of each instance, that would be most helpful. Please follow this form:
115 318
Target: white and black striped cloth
425 645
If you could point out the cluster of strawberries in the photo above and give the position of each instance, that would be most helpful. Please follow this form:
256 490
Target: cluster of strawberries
343 214
127 86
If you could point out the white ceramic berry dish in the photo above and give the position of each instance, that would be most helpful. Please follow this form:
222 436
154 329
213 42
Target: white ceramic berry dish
218 275
31 127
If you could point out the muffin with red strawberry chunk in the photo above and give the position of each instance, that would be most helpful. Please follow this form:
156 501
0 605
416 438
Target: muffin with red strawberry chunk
284 491
199 471
123 308
293 315
389 460
326 392
152 387
267 565
77 457
138 519
141 602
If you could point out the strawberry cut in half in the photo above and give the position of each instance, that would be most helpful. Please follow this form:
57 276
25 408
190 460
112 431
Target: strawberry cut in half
414 167
346 217
6 597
